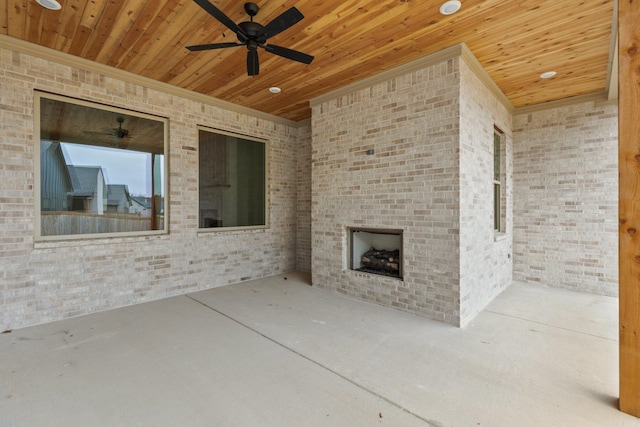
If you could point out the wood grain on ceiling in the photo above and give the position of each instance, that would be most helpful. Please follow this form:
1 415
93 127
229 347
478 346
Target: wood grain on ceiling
515 41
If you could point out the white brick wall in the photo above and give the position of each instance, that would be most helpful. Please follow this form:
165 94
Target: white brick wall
303 201
566 203
431 176
485 261
431 131
41 282
410 183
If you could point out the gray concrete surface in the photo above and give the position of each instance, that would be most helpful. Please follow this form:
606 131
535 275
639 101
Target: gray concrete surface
277 352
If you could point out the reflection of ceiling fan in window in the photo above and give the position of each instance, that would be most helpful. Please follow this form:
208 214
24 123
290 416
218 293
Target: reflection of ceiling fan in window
118 133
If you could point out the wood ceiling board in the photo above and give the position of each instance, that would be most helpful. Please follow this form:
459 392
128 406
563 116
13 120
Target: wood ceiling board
139 52
129 22
16 15
105 28
514 41
166 45
52 28
34 22
69 24
4 20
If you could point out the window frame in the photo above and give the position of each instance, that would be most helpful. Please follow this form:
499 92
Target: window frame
499 185
267 195
38 237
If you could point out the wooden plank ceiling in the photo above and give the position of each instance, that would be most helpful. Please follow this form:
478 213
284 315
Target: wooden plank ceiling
515 41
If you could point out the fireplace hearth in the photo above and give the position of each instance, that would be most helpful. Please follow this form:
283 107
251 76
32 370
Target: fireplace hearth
376 251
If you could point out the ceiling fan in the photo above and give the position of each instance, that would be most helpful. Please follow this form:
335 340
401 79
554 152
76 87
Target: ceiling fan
119 133
254 36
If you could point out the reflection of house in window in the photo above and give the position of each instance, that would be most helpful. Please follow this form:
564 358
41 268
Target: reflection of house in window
119 199
67 187
78 145
140 205
88 193
56 182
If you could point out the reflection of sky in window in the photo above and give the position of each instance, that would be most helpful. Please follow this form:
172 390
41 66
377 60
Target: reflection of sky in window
119 166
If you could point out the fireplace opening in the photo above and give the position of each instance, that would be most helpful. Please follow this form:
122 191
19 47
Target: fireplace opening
376 251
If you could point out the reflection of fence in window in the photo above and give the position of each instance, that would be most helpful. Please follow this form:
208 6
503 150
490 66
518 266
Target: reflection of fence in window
63 223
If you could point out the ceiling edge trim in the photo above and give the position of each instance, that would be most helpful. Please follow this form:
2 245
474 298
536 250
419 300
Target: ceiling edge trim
425 61
473 63
303 122
612 66
458 50
597 97
18 45
612 81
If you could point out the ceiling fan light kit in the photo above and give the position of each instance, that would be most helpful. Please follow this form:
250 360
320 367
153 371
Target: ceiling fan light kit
254 35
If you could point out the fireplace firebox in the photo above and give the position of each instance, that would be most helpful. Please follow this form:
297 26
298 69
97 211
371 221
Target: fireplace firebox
376 251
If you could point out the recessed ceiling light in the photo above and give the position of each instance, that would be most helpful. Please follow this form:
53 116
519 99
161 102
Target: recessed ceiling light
450 7
49 4
274 89
547 75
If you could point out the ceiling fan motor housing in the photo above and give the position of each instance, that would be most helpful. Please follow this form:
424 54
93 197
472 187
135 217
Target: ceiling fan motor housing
252 29
251 9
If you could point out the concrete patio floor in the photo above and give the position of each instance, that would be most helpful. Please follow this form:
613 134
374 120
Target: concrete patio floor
277 352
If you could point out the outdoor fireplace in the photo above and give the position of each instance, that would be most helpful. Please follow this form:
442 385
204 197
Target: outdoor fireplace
376 251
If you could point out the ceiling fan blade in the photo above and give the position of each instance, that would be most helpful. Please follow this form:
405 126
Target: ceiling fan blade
281 23
253 67
224 19
212 46
289 53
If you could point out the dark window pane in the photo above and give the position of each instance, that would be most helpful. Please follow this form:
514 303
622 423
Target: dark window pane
496 157
232 181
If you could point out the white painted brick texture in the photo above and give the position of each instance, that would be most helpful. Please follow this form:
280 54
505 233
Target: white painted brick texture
431 176
485 261
410 183
566 204
303 201
46 281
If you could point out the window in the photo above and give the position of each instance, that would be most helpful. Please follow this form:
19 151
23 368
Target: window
232 181
499 198
100 170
